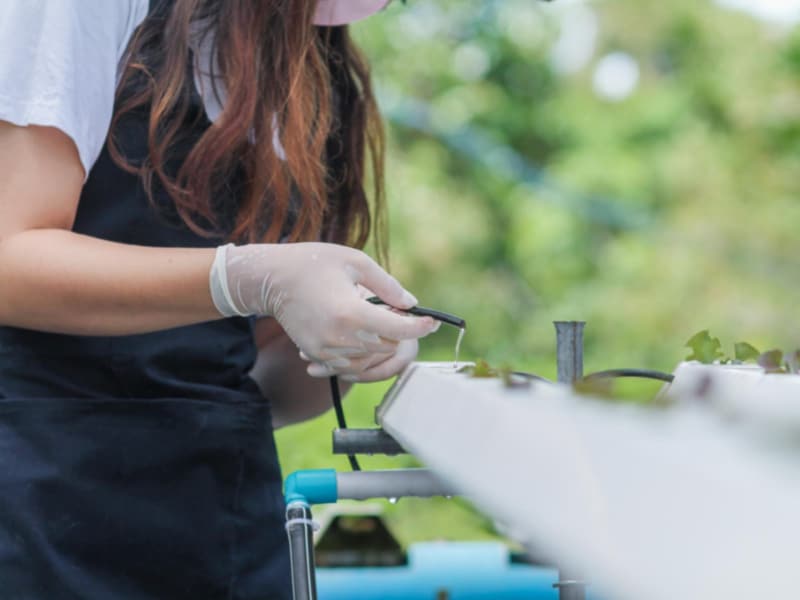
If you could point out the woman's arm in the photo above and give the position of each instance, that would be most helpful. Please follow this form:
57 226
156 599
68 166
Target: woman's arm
281 374
52 279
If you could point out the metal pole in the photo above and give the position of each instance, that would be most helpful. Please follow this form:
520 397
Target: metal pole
569 354
364 441
300 528
569 350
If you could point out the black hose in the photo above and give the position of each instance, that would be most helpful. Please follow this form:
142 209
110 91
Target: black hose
336 394
641 373
421 311
531 376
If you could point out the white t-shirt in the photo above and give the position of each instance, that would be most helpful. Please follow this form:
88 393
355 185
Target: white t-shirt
60 61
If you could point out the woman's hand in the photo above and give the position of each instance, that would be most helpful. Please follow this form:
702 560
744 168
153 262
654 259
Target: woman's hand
314 290
283 377
377 367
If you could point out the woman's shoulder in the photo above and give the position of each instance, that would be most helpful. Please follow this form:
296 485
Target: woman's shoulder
59 62
97 20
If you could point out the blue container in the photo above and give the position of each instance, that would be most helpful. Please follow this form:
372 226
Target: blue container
452 570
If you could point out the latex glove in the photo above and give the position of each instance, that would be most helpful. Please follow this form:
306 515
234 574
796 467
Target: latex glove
374 367
312 289
377 367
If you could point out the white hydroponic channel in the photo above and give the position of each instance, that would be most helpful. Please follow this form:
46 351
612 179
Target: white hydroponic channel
697 501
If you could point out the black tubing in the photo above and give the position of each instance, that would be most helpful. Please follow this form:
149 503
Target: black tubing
336 394
421 311
641 373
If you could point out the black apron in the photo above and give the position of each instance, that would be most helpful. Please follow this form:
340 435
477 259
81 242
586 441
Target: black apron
138 467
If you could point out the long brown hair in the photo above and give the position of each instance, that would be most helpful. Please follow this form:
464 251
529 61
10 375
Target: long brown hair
283 77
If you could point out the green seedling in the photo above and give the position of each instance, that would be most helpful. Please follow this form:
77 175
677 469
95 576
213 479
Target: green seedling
744 352
705 349
597 387
480 370
483 370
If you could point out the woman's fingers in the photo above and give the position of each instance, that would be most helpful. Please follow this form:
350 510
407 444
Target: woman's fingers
327 315
393 365
387 288
345 367
364 350
373 368
376 321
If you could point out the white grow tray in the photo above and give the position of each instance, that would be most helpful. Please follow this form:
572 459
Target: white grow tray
646 503
745 392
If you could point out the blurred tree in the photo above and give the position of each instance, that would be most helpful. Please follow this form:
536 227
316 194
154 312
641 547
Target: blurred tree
520 195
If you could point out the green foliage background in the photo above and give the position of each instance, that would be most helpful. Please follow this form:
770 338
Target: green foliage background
673 211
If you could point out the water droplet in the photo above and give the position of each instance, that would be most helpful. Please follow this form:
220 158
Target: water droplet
392 500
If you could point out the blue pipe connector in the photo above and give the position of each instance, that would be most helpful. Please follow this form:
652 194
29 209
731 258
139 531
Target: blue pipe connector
312 486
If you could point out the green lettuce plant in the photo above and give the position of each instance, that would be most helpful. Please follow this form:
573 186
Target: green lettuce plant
708 350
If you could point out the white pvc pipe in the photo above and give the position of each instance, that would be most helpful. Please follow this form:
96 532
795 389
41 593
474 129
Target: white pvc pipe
395 483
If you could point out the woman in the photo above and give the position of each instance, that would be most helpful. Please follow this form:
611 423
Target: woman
138 245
